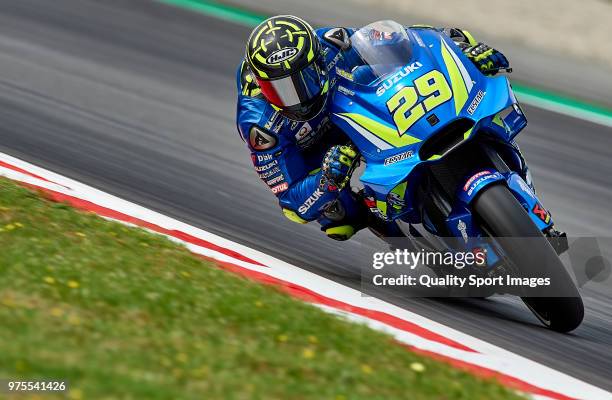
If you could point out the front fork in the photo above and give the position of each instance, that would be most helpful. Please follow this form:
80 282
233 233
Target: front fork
520 185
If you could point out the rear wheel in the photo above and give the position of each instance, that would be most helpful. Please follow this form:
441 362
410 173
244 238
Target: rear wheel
503 216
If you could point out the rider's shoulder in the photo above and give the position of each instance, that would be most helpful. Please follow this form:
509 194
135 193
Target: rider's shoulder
260 115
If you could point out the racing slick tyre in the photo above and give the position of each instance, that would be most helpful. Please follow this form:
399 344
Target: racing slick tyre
503 217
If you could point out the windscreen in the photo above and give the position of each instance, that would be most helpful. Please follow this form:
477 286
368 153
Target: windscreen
378 50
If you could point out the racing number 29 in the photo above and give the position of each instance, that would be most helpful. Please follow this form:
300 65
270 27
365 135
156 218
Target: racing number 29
405 107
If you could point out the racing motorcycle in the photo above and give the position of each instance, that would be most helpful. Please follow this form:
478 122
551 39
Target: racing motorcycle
437 139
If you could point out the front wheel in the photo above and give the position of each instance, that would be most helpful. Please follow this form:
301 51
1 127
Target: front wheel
501 215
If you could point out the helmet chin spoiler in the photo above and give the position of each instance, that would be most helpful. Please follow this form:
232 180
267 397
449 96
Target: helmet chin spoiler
305 112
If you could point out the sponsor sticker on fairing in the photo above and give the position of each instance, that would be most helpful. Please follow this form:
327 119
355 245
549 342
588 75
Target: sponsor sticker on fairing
476 102
395 78
525 187
370 202
346 91
478 182
541 213
398 157
396 200
473 178
346 75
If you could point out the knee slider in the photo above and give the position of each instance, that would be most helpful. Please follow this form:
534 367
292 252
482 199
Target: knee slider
340 233
293 216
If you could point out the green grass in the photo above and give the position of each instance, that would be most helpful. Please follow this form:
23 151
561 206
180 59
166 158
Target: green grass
121 313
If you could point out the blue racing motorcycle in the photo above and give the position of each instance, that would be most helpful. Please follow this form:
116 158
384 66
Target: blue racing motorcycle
437 138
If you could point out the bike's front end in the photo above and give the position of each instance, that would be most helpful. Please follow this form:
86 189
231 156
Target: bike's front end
437 137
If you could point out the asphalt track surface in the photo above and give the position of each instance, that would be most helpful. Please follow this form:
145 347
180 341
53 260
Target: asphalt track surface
138 99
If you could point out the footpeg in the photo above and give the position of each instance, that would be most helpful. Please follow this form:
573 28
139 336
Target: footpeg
558 240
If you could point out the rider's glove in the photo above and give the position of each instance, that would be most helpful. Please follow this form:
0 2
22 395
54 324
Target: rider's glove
338 164
487 59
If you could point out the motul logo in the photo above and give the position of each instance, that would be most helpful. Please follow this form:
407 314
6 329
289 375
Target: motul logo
281 55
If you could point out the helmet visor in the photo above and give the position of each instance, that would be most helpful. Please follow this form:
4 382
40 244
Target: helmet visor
298 88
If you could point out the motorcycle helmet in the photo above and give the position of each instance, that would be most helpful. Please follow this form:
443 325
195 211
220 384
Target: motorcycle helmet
284 57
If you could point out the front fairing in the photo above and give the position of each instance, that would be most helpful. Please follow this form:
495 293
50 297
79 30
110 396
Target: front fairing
364 109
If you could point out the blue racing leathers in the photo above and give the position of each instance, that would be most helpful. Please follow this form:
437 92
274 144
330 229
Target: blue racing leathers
287 155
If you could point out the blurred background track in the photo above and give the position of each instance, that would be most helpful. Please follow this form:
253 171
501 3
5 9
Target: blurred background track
138 99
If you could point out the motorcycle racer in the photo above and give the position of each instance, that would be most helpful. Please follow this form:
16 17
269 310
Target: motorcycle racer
282 114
